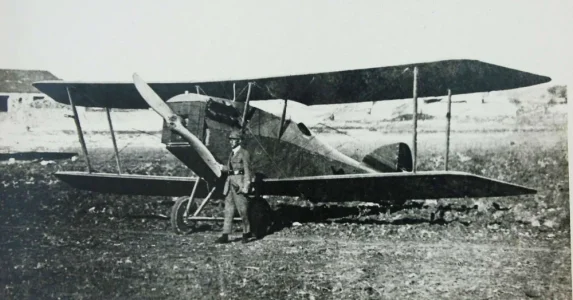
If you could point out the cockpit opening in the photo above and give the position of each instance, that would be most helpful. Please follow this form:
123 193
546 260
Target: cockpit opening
303 129
226 114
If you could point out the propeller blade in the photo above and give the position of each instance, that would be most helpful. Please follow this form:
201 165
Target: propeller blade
174 122
154 101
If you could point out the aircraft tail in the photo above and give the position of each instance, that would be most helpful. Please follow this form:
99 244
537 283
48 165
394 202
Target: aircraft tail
395 157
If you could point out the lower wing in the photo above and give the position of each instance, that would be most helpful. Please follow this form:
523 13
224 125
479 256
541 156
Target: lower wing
129 184
390 186
330 188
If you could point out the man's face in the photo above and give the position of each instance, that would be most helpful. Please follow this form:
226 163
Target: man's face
234 142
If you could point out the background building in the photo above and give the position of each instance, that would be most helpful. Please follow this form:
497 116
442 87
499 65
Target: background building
16 90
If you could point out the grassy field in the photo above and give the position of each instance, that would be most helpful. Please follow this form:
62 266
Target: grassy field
57 242
61 243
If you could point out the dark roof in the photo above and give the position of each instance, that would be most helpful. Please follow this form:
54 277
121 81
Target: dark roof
20 81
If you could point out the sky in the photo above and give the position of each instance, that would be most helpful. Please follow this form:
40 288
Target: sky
202 40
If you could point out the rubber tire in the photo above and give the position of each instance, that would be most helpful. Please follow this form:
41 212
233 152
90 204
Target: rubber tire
178 224
260 217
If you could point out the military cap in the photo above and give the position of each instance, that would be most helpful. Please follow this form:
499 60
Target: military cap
235 135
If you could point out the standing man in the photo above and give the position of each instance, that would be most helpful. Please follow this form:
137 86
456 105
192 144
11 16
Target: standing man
236 187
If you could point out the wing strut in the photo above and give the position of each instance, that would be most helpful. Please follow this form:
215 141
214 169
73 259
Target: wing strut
246 106
107 111
79 130
415 118
193 196
283 120
448 116
415 125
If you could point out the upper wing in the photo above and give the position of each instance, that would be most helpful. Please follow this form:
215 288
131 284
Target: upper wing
391 186
112 95
374 84
128 184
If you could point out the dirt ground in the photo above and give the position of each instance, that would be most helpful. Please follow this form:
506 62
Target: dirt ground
61 243
97 262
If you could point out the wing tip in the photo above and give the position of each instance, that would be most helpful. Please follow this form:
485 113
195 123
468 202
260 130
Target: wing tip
36 84
545 79
528 191
509 189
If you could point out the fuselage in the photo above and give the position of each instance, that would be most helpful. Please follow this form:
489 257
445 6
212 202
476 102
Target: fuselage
279 148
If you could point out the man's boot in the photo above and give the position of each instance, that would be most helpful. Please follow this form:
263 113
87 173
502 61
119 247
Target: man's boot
246 237
223 239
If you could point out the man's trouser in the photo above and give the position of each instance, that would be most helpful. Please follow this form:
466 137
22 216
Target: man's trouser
232 200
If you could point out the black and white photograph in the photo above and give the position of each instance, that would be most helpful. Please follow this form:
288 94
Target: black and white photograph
285 149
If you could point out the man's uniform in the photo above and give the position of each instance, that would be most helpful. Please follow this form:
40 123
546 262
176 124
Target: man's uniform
235 188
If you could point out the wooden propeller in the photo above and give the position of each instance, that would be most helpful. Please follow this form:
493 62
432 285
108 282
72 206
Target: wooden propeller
174 122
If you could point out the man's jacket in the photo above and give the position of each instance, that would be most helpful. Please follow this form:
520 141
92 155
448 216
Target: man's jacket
239 167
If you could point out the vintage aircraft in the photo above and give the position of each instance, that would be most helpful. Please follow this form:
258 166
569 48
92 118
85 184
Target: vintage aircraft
287 157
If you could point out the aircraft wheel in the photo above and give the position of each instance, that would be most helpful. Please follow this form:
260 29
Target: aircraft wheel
260 217
179 224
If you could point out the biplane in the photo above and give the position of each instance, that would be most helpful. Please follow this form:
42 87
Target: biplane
287 157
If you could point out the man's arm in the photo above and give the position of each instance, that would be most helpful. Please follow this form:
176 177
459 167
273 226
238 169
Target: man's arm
247 170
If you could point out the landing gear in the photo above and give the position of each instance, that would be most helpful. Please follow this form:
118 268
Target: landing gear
179 221
184 212
185 215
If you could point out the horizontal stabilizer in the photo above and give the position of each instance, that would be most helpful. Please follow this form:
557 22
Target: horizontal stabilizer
363 85
390 158
128 184
391 186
